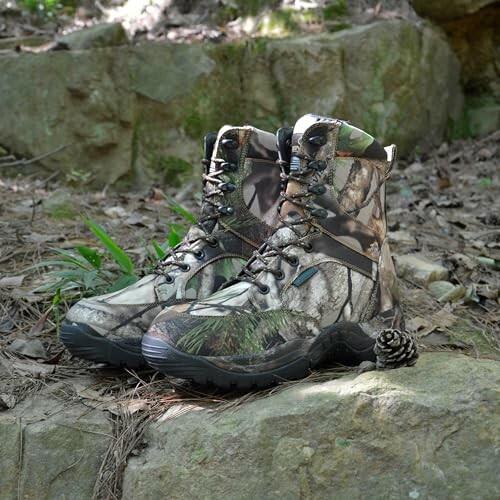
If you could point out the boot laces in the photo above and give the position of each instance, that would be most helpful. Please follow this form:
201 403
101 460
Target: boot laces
301 227
214 186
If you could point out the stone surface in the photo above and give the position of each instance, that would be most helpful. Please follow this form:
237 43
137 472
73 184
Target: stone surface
100 35
425 432
472 29
138 112
418 269
452 9
50 449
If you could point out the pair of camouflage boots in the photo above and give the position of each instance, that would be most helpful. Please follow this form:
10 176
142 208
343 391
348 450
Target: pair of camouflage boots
287 268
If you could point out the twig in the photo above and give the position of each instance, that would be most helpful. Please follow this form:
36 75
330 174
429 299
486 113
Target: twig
24 162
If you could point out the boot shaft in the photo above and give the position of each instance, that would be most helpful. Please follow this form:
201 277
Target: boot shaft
346 182
250 191
337 185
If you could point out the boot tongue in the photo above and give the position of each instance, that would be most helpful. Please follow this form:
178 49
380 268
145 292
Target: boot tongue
297 148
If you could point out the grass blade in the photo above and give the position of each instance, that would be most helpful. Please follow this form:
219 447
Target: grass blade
120 257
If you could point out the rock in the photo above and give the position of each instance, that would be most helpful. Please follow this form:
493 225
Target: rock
421 432
444 291
446 11
138 112
99 35
60 451
27 41
482 116
472 28
418 269
402 237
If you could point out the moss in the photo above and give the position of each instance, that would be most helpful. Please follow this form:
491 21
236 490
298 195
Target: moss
334 10
482 341
480 116
62 212
214 103
173 169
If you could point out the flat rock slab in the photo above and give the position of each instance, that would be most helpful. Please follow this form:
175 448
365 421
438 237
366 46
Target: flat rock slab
419 269
50 449
427 432
423 432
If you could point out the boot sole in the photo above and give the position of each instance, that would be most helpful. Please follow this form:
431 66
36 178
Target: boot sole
84 342
344 343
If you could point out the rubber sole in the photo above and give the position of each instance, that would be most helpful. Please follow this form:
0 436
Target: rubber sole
344 343
84 342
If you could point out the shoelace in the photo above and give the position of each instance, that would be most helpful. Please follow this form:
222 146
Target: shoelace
308 177
175 256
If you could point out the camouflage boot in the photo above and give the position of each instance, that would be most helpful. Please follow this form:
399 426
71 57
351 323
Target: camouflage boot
239 210
323 286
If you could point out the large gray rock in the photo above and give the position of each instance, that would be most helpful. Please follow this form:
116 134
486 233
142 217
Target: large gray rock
451 9
427 432
50 449
141 111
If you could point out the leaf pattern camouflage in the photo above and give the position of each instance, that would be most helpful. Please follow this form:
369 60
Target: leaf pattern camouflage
340 272
198 268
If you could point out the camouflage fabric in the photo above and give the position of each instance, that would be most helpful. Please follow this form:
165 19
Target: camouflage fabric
241 192
329 262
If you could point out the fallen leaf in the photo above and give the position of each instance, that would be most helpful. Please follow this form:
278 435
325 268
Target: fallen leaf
37 328
32 348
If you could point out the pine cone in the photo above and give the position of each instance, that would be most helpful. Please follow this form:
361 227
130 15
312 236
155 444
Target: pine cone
395 348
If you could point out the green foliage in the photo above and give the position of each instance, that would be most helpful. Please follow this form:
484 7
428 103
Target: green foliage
179 209
485 182
49 7
280 22
81 273
118 254
335 9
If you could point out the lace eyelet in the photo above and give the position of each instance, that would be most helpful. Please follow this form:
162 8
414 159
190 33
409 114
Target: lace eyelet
227 187
230 143
264 290
293 261
225 210
308 247
318 165
317 189
200 255
229 167
169 279
280 275
185 268
213 242
317 140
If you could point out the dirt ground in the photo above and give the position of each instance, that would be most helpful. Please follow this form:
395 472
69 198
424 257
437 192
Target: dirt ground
444 206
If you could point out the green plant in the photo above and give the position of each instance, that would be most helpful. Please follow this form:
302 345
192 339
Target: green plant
81 272
48 7
176 231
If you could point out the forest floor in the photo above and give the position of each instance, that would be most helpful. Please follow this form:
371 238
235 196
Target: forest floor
445 207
